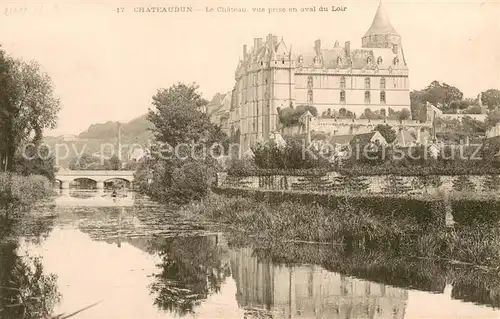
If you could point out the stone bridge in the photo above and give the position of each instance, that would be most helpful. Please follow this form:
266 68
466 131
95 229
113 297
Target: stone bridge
65 177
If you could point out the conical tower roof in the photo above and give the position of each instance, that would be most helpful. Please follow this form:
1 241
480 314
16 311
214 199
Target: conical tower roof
381 23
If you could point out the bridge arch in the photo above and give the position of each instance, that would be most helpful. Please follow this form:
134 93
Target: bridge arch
99 177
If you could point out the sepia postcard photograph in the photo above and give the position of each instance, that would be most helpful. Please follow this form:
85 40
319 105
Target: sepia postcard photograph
247 159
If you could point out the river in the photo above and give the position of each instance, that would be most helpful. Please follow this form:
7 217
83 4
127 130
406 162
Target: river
132 258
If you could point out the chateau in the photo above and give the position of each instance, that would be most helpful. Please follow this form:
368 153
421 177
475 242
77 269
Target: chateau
270 77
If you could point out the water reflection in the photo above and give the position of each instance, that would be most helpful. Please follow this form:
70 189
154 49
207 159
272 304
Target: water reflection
25 290
148 261
192 268
282 291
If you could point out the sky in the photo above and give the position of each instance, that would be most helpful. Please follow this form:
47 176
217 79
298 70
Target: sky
107 63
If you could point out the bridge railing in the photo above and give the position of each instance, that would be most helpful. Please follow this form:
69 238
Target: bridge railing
95 173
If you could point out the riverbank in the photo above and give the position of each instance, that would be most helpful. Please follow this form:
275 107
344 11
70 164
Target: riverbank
403 227
18 191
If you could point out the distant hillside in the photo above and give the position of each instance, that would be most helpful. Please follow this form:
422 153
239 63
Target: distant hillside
103 136
137 126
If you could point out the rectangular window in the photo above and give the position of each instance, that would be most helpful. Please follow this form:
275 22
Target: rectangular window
342 97
367 83
382 83
367 97
342 82
382 97
310 96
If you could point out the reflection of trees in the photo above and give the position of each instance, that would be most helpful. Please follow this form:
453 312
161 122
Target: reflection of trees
25 291
192 268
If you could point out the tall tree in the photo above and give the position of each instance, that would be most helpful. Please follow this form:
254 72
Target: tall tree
435 93
28 105
491 98
178 117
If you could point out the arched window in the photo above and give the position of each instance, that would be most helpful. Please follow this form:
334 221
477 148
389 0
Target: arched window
310 98
382 97
342 82
396 61
382 83
367 97
379 60
339 61
301 59
342 97
369 60
310 81
367 83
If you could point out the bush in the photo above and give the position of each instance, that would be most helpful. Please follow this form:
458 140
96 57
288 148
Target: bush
16 190
290 156
190 181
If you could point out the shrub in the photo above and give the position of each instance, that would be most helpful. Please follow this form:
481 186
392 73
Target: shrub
19 190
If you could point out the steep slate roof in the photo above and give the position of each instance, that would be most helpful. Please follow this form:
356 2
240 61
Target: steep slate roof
381 23
358 57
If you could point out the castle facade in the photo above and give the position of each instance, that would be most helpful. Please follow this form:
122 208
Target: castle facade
271 77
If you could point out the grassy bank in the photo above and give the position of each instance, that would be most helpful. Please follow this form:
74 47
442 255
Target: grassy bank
384 226
22 191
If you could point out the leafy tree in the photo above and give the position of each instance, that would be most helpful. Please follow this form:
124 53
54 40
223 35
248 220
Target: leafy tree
291 116
35 160
491 98
113 163
372 115
387 132
419 111
404 114
28 105
185 173
493 118
345 114
177 116
85 161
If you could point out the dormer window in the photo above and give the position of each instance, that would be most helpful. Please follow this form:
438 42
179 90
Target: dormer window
396 61
369 60
301 59
379 60
339 61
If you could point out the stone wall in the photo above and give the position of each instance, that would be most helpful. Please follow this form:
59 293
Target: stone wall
377 184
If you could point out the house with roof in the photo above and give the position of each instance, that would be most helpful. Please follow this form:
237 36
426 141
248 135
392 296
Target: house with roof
410 138
343 145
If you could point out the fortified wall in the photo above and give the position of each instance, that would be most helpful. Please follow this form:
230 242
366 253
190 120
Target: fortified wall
377 184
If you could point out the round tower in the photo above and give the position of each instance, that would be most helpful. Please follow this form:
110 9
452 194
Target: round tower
381 33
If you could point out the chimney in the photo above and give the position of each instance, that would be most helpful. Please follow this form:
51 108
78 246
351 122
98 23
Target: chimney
270 41
257 43
244 52
119 141
347 48
395 49
317 46
275 39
